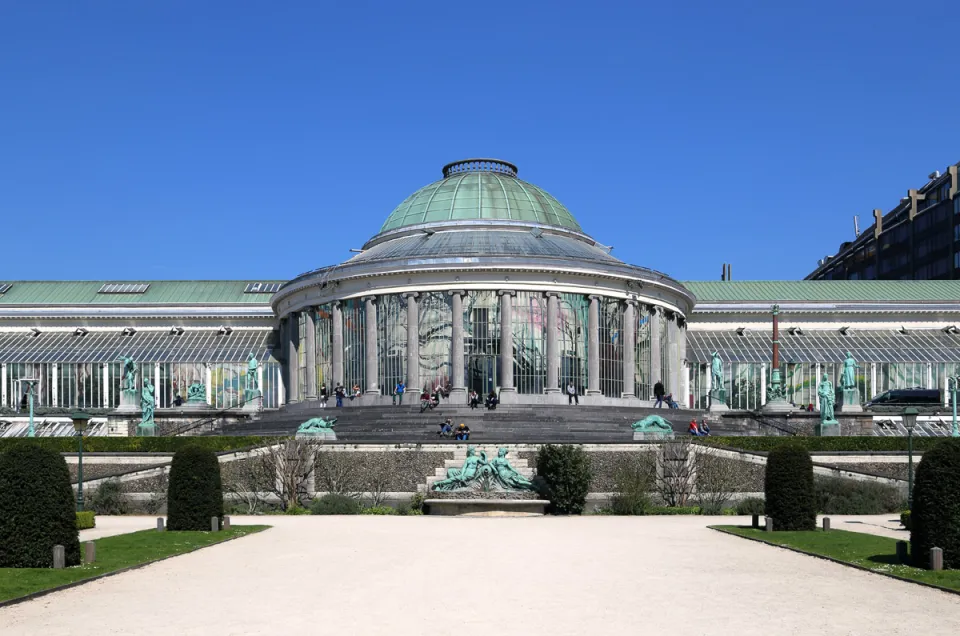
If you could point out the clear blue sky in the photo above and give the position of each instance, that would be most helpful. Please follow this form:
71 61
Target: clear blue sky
193 139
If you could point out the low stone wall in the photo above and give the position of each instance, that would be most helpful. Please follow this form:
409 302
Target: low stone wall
397 471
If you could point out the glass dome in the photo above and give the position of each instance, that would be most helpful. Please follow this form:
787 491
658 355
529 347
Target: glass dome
480 189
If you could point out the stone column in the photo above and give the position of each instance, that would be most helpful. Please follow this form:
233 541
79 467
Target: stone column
371 357
682 377
593 347
310 355
208 383
655 359
629 349
413 346
292 357
506 342
337 365
673 366
553 343
457 365
763 383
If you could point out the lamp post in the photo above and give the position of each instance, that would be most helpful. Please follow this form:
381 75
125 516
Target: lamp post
909 421
952 383
30 430
80 420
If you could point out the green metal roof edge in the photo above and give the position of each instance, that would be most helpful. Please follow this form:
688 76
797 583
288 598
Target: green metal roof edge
825 290
160 292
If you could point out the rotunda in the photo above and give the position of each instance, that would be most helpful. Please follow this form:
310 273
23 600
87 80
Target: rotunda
482 281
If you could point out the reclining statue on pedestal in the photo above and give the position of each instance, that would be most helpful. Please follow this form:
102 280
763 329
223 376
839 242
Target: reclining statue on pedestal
474 469
507 475
317 425
653 424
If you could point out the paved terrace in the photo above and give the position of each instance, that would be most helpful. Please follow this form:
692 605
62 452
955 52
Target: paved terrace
408 575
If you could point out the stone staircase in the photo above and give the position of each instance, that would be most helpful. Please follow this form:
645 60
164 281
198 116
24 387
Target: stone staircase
460 455
515 424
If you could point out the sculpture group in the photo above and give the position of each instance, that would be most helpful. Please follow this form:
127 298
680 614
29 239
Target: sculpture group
477 470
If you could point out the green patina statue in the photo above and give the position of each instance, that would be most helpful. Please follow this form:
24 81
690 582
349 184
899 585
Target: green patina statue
507 475
653 424
716 373
475 470
196 393
129 380
849 379
252 384
827 398
147 405
317 425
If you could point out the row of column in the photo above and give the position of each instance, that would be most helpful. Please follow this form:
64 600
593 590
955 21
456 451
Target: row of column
290 334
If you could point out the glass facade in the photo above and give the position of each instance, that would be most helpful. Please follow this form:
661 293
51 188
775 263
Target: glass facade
391 342
643 386
435 331
324 361
481 341
611 347
574 310
354 349
529 342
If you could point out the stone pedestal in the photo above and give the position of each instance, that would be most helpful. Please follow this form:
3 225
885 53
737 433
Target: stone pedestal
827 429
129 402
252 401
718 401
778 406
851 401
319 436
146 430
649 437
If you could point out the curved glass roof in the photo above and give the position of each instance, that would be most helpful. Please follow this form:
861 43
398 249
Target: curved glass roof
480 189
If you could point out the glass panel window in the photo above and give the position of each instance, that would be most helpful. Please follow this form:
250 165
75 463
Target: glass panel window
529 345
611 347
391 342
435 330
644 385
572 343
353 346
481 341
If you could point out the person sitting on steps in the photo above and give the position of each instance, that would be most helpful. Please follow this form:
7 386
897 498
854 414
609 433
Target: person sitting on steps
463 432
572 397
446 428
474 399
694 429
492 400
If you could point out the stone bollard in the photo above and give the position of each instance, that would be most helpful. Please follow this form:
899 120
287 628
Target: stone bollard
826 524
756 521
226 523
159 524
59 557
936 558
903 552
214 524
769 524
89 552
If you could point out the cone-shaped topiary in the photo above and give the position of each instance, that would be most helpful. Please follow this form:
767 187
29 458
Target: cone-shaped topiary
935 514
37 508
564 475
195 493
788 488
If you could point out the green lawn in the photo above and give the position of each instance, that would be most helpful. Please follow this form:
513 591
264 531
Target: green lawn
115 553
865 550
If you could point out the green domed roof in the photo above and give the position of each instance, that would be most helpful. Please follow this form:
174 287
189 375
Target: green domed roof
480 189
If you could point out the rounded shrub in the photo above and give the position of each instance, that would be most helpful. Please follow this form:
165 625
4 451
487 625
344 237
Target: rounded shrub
194 493
331 504
788 489
37 508
563 475
935 513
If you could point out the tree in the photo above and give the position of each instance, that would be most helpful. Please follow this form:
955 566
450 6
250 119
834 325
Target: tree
37 508
717 478
935 514
564 472
286 469
676 473
195 492
788 488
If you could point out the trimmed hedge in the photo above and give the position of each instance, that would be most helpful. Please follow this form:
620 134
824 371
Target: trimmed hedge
750 506
935 512
86 520
333 504
195 493
851 497
215 443
822 444
37 508
788 489
563 475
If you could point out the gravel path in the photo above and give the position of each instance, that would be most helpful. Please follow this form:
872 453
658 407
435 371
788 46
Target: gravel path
110 526
464 576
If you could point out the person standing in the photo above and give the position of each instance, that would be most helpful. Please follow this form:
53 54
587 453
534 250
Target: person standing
401 387
323 396
658 393
572 397
339 393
